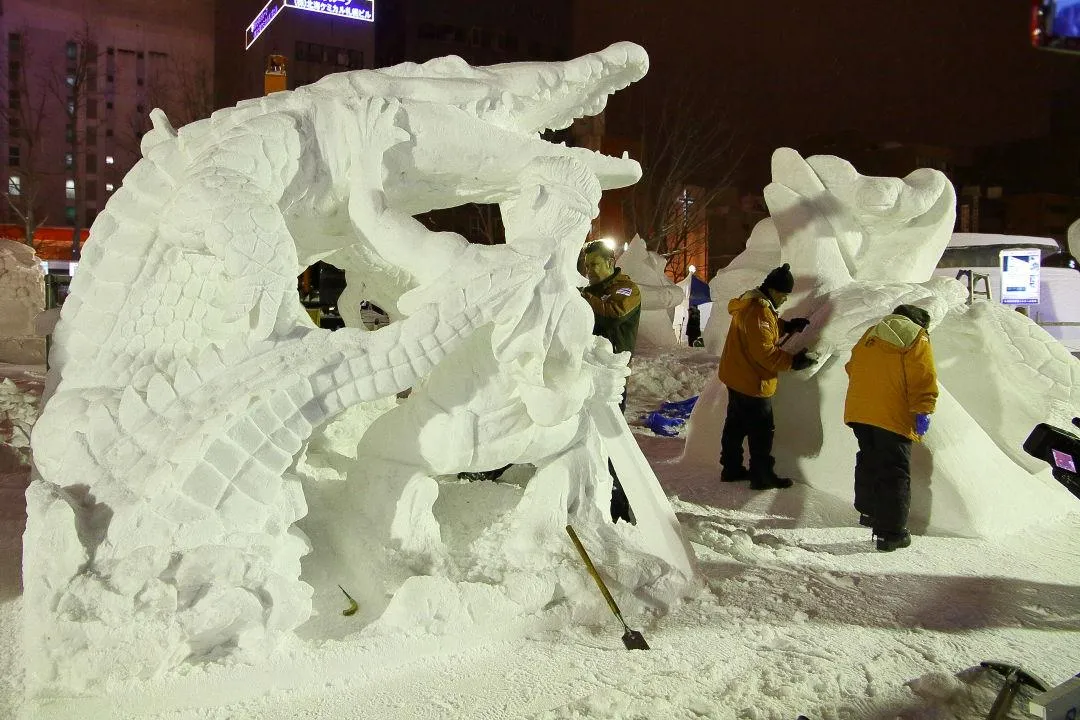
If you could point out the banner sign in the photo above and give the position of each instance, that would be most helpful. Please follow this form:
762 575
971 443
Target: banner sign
359 10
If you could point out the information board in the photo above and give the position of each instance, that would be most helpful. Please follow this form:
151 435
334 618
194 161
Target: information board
1020 276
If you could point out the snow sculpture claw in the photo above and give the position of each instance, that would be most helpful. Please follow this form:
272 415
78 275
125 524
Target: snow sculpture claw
186 377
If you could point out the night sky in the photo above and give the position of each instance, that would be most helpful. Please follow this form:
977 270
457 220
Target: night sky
952 72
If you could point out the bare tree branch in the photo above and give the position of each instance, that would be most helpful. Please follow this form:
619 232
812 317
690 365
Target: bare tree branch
490 225
72 86
27 109
687 159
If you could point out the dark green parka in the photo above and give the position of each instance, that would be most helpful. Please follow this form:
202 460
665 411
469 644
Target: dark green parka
616 306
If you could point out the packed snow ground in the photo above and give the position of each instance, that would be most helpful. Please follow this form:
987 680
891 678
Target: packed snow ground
800 615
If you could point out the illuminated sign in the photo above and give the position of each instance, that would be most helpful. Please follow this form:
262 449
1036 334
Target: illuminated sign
351 9
262 21
361 10
1020 276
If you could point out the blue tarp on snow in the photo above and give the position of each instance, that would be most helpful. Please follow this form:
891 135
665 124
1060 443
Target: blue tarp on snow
671 417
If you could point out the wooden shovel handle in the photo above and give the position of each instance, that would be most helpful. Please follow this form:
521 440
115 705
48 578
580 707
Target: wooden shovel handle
595 575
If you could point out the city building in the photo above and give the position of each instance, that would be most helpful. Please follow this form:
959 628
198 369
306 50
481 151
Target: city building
79 80
312 38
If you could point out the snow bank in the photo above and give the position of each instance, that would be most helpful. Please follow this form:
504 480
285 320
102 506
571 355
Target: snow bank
22 296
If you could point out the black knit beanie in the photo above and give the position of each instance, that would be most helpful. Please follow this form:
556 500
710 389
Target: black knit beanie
915 314
779 279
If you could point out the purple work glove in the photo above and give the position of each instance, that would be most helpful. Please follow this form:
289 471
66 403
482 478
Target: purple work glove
922 424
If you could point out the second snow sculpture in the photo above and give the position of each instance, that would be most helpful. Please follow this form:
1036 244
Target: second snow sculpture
186 376
859 246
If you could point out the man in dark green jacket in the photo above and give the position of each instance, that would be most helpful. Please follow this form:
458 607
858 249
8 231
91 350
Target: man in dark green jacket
613 296
616 304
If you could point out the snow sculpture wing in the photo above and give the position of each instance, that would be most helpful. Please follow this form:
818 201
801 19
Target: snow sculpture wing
186 376
1027 377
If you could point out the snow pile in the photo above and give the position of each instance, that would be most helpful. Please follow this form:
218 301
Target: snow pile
22 297
660 376
800 615
858 246
18 412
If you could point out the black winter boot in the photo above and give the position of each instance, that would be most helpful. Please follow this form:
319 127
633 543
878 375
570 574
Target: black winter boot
770 482
866 520
893 541
735 474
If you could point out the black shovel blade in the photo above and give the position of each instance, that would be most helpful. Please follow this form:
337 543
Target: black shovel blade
634 640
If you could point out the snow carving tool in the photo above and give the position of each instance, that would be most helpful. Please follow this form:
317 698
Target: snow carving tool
353 607
632 639
1015 676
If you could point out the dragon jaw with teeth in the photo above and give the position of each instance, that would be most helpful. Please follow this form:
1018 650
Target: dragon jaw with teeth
186 376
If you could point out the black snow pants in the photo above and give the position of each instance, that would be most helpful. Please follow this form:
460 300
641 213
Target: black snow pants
620 505
748 418
883 478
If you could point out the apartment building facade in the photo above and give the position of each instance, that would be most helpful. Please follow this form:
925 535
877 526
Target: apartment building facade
79 80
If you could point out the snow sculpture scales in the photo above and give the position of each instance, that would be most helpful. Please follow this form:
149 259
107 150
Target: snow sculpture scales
186 375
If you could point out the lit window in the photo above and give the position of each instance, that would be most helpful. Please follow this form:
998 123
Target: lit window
70 80
69 160
69 189
108 187
108 159
14 185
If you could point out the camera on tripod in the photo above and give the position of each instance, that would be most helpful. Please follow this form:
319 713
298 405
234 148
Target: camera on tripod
1061 449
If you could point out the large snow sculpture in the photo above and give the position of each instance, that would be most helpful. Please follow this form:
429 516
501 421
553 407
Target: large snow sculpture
659 295
22 297
186 376
858 246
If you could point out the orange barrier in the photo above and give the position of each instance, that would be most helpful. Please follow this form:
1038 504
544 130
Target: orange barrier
50 243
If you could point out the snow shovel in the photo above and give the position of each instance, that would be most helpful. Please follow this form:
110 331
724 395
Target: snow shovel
632 639
1014 678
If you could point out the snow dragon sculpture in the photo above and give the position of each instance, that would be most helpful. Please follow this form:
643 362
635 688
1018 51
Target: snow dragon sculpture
186 376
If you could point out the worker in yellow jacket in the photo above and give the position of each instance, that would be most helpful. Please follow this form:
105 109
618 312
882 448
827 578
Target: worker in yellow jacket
892 390
749 364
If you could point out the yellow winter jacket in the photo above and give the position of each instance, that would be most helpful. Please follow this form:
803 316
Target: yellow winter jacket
751 360
891 377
